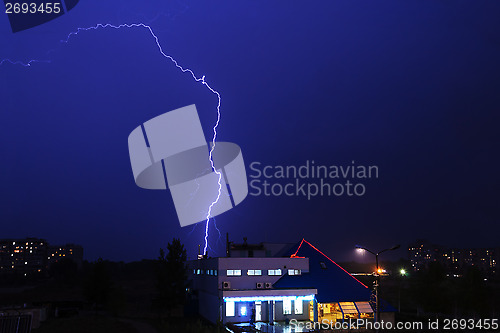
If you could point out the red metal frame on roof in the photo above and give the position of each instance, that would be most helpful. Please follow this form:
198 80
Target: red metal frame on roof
304 240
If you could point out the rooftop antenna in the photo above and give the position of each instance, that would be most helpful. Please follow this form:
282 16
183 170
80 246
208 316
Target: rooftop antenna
200 256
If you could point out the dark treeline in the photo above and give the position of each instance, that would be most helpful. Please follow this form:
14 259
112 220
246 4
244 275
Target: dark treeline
154 291
435 292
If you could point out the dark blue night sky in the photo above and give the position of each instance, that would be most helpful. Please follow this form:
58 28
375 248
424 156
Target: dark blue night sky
410 86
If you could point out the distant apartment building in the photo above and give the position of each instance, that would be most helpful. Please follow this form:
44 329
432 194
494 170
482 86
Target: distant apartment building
455 260
23 256
69 251
33 256
421 253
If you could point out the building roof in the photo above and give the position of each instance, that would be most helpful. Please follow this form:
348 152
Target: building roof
334 284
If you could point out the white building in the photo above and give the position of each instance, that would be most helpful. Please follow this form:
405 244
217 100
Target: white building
235 289
305 285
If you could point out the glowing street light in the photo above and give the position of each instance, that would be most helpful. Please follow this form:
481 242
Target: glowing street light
378 271
403 273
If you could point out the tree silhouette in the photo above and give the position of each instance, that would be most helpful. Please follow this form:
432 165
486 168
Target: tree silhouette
64 271
432 290
172 277
473 293
98 284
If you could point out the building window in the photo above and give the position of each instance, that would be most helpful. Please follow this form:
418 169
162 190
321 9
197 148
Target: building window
233 272
299 307
274 272
287 306
294 272
254 272
243 311
230 309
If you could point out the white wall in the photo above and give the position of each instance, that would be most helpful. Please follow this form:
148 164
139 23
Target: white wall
209 287
249 282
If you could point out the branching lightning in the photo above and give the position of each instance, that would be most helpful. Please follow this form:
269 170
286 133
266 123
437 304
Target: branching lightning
24 64
184 70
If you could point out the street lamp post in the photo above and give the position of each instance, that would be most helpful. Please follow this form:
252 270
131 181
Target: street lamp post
377 277
402 273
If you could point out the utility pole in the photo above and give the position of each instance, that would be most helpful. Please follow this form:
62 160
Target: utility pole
377 277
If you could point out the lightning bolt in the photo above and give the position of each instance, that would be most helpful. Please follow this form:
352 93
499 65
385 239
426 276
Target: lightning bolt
184 70
216 228
24 64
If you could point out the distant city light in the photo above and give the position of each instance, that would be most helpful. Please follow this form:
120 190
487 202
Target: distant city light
402 272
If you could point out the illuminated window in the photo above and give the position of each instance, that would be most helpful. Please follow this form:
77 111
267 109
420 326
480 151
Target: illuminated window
254 272
233 272
243 311
287 306
348 308
299 307
230 309
294 272
274 272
